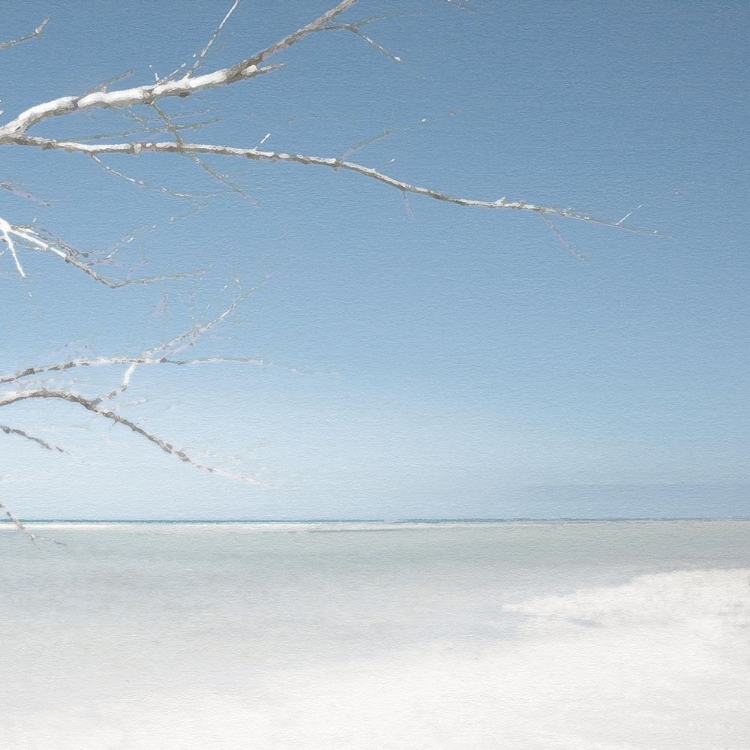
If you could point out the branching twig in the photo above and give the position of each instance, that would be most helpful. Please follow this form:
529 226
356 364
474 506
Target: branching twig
332 163
288 41
16 131
11 188
217 32
355 27
92 405
188 338
123 385
6 233
183 87
223 179
142 360
162 354
149 129
559 235
37 32
143 183
32 238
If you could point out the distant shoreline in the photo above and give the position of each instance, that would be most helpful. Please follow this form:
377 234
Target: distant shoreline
434 522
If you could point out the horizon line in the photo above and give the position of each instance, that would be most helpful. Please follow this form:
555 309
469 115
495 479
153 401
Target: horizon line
557 519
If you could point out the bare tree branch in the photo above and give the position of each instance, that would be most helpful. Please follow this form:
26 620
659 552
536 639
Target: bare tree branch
120 388
11 188
188 338
149 129
72 364
16 521
15 132
561 239
6 233
330 162
162 354
138 360
92 405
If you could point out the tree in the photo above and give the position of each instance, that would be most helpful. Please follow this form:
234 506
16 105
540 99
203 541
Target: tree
156 115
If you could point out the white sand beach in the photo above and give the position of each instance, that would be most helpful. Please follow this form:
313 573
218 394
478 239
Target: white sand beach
593 636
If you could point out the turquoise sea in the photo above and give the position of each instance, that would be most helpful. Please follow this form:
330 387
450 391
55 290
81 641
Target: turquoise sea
622 635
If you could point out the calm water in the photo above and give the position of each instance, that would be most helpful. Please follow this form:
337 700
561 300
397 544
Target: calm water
617 636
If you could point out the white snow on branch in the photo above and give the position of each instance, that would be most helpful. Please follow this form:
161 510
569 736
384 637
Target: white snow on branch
183 87
125 98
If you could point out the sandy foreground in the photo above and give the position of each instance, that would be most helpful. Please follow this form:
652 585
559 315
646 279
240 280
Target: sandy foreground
661 661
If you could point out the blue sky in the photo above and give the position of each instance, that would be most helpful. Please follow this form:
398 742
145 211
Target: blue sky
453 362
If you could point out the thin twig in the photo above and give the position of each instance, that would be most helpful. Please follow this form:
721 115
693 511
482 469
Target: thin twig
17 522
223 179
355 26
21 433
143 183
217 32
37 32
146 361
559 235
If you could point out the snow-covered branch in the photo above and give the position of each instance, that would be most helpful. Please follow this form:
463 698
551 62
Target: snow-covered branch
182 87
66 105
